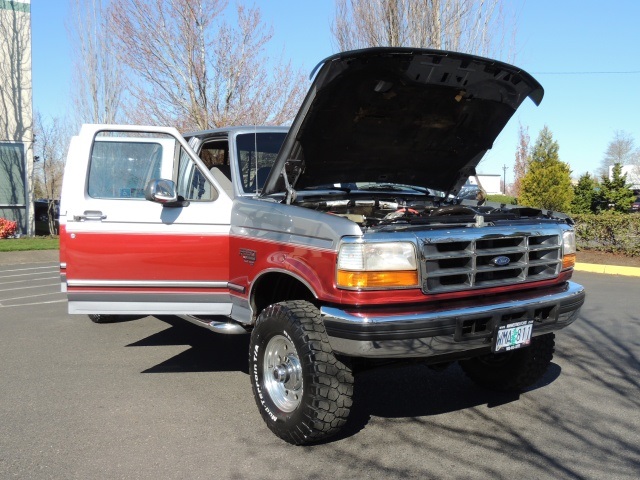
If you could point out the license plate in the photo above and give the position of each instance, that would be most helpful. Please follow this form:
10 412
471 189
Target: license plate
512 336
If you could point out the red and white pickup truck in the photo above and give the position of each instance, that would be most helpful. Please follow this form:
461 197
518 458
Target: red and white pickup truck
336 239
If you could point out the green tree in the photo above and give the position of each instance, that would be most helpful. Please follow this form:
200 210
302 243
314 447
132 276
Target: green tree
614 192
584 195
547 183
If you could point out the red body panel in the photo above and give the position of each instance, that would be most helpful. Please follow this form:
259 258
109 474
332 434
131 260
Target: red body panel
317 268
121 256
125 256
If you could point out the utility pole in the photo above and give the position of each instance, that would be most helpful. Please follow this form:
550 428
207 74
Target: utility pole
504 179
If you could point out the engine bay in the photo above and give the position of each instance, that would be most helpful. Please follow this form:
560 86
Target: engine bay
375 212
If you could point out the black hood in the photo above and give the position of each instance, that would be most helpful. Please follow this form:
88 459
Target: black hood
398 115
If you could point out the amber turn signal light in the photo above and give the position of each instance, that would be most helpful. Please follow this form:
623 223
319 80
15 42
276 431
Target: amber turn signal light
568 261
394 279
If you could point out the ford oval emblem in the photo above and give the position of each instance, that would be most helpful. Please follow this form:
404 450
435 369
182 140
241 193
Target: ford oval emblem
501 261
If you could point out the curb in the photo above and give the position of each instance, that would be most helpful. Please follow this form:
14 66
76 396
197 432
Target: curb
607 269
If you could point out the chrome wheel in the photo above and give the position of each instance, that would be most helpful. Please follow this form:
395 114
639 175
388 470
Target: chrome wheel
304 393
282 373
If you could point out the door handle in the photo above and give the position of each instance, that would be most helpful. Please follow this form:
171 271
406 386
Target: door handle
90 215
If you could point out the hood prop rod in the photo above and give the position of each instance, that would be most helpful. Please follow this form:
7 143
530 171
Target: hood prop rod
291 193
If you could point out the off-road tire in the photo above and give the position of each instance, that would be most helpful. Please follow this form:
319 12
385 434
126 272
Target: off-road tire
316 406
110 318
100 318
512 371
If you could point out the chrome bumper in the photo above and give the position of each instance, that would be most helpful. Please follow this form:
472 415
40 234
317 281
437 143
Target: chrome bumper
449 328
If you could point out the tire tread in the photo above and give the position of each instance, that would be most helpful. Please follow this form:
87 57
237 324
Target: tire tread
331 381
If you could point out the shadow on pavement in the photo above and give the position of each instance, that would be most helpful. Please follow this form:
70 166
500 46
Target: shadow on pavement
407 391
209 352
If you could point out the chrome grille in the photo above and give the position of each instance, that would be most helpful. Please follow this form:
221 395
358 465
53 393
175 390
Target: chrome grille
450 263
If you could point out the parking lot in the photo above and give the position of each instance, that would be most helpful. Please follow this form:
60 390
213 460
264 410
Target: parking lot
160 398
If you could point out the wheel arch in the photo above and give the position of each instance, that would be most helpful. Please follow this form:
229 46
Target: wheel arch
274 285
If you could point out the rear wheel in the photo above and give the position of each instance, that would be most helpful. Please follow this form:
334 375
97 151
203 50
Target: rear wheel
304 393
100 318
512 371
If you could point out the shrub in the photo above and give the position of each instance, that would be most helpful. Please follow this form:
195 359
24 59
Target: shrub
609 232
615 193
7 228
506 199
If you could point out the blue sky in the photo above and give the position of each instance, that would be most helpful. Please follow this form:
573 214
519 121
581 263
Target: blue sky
557 41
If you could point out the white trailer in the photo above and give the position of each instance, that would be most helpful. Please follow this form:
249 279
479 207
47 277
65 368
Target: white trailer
490 183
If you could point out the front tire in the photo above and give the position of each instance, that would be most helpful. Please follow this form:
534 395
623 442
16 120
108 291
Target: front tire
304 393
512 371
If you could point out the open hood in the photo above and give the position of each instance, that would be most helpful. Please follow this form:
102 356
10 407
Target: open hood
399 115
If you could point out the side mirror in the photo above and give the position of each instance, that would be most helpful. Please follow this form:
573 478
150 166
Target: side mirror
164 192
161 191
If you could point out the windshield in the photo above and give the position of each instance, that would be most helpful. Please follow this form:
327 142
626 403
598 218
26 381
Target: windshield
379 187
397 187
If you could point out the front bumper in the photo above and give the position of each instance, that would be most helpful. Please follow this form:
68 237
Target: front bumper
448 328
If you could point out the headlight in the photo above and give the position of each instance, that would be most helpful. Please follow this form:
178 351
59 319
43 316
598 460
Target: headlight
568 249
377 265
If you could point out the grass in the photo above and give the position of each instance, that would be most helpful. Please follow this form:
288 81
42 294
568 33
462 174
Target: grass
29 243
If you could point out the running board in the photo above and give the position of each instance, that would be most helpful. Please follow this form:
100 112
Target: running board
228 327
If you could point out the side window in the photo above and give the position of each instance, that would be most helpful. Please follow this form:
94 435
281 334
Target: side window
215 154
122 168
256 154
192 184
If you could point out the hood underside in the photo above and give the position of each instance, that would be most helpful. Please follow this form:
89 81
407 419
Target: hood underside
396 115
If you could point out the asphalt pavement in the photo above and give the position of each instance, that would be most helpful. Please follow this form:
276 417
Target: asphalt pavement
161 398
29 256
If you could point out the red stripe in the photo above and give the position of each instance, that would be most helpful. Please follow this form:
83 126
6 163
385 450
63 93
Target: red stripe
124 256
317 268
121 256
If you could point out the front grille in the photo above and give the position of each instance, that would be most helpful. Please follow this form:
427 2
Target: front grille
450 264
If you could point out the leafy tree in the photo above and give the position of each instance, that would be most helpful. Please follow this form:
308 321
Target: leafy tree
615 192
547 183
584 195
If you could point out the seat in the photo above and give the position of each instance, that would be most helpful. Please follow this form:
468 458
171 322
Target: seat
222 174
